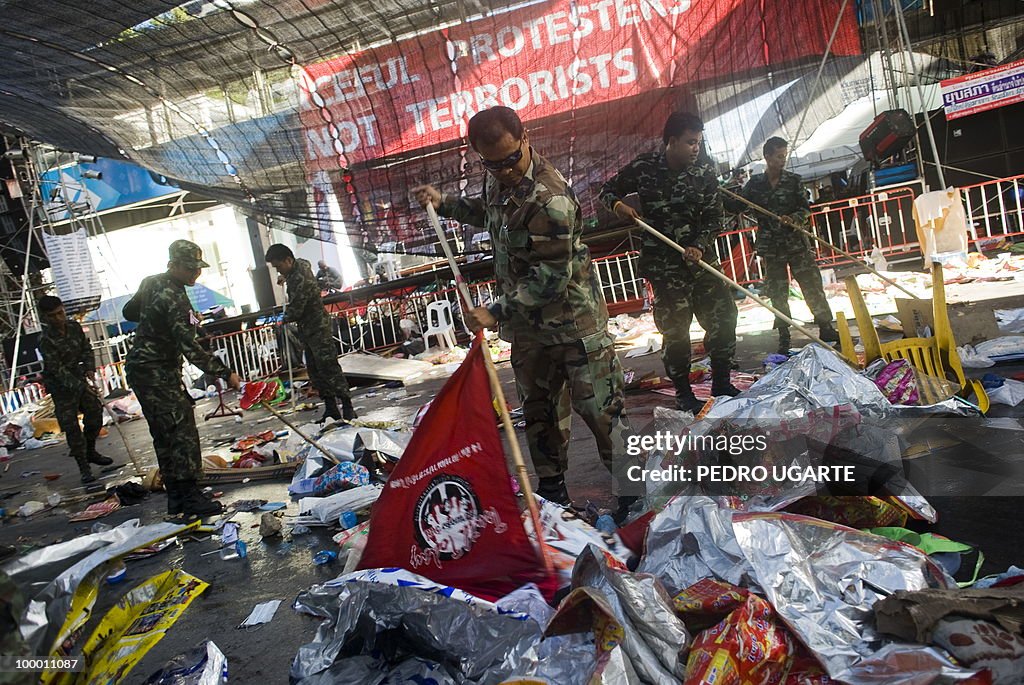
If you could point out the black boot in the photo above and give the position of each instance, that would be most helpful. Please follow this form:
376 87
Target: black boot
174 499
84 469
553 489
347 412
785 341
827 333
330 410
685 399
720 383
98 459
194 504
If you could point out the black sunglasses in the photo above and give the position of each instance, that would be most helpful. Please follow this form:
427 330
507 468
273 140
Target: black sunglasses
506 163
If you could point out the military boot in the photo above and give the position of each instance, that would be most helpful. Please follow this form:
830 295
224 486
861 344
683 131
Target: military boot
84 469
720 383
685 399
785 341
194 504
95 457
174 499
330 410
347 412
553 489
827 333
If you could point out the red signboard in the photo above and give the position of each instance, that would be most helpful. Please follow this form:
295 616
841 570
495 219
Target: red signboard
544 59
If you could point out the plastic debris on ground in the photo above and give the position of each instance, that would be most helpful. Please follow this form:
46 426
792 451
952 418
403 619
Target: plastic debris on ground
261 613
204 664
138 621
325 510
343 476
97 510
390 633
58 578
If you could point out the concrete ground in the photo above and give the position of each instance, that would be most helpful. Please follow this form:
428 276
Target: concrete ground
281 569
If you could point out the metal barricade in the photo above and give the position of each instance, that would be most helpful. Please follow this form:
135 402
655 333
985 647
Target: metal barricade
252 353
994 207
884 218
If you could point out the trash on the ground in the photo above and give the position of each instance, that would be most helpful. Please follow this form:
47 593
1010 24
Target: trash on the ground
300 529
270 525
29 474
128 493
326 510
352 543
347 519
343 476
137 622
239 550
476 645
229 533
46 623
746 647
980 644
707 602
324 557
273 506
51 476
117 573
97 510
605 524
261 613
30 508
204 664
150 550
246 504
914 615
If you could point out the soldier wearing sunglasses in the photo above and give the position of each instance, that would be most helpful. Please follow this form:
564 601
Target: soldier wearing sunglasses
550 306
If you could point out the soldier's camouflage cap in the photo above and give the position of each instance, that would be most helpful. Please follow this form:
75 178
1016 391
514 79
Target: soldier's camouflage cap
186 253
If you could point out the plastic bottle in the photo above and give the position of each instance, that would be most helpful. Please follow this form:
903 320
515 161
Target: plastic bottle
878 259
324 556
606 524
347 520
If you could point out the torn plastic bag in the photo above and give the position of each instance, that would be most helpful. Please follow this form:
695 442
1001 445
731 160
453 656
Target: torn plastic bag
350 443
692 539
327 509
567 535
526 600
204 664
823 580
468 643
50 576
568 660
654 638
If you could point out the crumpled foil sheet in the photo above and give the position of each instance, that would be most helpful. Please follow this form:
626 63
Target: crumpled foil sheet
655 640
418 631
691 539
50 576
823 579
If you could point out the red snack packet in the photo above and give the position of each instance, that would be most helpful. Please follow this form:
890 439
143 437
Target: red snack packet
707 602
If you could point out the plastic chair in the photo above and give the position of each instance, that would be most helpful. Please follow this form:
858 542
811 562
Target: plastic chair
936 357
440 324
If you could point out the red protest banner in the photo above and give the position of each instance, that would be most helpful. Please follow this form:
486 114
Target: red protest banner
545 59
448 512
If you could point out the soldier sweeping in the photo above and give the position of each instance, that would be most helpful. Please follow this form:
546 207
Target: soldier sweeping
680 197
306 310
68 368
549 305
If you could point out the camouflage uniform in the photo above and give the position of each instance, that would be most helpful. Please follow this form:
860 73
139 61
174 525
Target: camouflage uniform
781 246
551 308
685 206
67 363
166 331
306 310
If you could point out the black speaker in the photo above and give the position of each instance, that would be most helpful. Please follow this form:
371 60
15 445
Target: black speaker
887 135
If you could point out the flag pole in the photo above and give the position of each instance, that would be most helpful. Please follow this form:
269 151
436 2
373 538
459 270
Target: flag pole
728 281
496 390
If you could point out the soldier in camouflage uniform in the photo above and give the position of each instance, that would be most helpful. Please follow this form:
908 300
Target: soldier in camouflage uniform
550 305
779 191
68 368
166 331
307 311
680 198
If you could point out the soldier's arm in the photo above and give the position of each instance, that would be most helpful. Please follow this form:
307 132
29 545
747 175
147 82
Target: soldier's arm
301 298
55 368
183 334
734 205
465 210
711 210
547 279
88 359
801 213
624 183
132 309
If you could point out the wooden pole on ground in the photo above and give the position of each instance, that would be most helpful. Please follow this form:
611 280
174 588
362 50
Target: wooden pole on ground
499 395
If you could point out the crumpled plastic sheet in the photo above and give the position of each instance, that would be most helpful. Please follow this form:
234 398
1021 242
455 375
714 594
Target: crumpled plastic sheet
350 442
328 509
440 636
823 579
204 664
568 660
691 539
655 639
526 600
50 576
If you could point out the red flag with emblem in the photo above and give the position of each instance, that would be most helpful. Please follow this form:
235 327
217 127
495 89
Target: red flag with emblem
448 511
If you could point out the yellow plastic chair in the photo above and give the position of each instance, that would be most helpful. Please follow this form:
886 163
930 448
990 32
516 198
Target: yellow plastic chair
935 358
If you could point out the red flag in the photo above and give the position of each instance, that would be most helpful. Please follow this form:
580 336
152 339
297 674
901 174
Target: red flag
448 512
